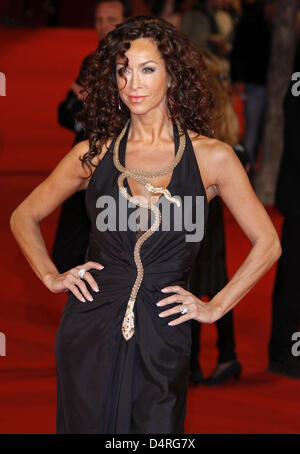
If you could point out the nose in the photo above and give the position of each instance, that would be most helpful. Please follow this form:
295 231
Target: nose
135 81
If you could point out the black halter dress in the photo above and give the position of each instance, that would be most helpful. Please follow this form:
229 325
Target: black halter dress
106 384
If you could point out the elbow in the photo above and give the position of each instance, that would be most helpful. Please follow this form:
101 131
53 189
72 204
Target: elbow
275 249
21 216
13 220
278 250
16 219
270 248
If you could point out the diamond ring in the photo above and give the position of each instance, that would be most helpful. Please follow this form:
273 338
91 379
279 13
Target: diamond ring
81 272
183 309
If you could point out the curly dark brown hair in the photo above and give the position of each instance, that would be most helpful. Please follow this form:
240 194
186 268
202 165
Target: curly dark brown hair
189 99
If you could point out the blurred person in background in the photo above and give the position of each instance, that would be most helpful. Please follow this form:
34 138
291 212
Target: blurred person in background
169 10
107 14
249 67
200 24
71 238
227 15
209 275
285 325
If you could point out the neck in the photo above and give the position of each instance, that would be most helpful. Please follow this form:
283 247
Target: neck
148 131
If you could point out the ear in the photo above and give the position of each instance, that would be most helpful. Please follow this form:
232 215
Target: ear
169 83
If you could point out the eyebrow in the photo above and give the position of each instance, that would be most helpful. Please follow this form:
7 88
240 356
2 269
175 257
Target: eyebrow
141 64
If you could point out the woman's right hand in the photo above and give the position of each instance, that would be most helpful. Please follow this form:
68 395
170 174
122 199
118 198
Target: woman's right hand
62 282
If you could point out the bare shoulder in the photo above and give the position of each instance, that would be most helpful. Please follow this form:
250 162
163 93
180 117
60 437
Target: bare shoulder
79 150
223 175
211 150
211 155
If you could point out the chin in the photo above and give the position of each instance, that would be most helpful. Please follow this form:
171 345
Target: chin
138 109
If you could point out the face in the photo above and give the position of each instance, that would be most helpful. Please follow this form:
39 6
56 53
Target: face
107 16
146 75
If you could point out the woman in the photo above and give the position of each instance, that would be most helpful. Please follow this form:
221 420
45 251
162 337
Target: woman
123 352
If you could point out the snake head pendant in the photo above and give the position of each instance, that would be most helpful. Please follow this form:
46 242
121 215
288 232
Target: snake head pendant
161 190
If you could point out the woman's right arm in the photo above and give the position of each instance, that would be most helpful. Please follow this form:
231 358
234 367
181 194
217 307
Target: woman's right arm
67 178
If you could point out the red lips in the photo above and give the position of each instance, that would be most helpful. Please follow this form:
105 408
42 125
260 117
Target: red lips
136 98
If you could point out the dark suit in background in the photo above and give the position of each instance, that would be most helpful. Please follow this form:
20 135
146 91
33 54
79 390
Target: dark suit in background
72 234
286 295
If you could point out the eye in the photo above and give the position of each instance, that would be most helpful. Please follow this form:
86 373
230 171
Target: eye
151 70
122 71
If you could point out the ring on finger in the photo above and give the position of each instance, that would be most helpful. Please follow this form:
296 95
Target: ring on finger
81 272
183 309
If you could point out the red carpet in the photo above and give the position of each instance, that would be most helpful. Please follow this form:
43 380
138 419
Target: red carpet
39 65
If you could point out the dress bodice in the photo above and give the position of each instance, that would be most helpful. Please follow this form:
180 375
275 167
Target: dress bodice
167 256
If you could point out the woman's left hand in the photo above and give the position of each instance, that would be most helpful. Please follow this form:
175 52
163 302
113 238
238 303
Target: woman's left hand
196 309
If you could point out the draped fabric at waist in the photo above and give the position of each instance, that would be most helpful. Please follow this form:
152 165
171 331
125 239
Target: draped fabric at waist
115 282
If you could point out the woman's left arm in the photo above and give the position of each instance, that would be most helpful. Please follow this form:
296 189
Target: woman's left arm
233 186
229 180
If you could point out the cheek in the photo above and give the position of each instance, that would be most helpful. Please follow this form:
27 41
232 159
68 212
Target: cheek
160 88
157 83
121 83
